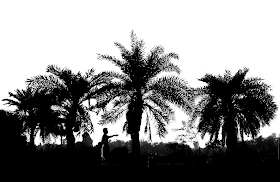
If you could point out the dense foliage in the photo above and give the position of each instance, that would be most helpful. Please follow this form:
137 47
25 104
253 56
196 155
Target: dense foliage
233 107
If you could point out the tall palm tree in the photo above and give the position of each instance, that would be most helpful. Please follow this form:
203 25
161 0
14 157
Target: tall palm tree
233 106
73 90
138 89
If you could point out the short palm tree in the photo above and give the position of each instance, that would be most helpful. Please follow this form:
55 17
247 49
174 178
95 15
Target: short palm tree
34 105
26 101
233 106
72 90
138 89
49 119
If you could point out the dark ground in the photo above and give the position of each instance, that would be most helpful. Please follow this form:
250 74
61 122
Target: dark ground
92 172
41 167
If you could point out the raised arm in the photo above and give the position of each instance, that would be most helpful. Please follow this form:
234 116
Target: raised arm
112 136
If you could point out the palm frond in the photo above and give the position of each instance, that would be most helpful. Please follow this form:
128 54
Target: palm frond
170 67
161 104
158 62
125 128
147 129
90 73
11 102
198 108
136 44
160 119
109 92
121 64
124 52
175 91
54 69
239 77
113 115
115 75
210 119
155 51
86 125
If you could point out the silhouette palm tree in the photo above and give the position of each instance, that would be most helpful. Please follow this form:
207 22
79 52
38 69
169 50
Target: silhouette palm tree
26 101
50 123
50 118
72 90
138 89
234 105
34 106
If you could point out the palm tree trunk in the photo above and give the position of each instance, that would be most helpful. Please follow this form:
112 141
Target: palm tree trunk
136 147
69 128
70 137
135 138
32 137
134 125
231 140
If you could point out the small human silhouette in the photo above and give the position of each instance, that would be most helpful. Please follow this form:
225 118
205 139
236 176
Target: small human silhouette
105 149
87 141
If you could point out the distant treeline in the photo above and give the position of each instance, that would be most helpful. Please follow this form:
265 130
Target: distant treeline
172 153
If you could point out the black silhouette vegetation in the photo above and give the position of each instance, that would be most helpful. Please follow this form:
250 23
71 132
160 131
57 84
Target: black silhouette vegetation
57 108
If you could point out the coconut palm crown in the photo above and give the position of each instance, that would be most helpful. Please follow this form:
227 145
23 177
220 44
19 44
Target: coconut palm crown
233 106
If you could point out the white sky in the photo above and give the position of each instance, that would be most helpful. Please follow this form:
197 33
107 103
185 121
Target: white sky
209 36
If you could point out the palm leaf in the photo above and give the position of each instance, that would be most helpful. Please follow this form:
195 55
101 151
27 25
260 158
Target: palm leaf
174 90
